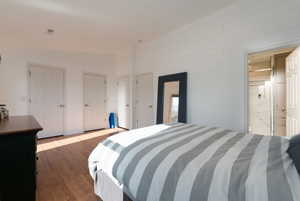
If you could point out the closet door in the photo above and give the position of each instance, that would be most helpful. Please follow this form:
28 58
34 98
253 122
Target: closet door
46 99
94 92
144 101
123 102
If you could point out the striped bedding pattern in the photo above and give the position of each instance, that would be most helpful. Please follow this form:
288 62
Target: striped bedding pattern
186 162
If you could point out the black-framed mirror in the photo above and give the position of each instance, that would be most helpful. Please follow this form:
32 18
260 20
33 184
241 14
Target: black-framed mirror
172 98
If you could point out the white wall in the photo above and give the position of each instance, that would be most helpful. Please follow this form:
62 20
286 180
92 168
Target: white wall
213 51
14 86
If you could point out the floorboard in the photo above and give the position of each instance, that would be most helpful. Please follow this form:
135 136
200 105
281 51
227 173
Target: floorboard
63 167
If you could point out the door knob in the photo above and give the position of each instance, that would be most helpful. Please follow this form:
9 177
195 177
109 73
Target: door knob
61 105
127 105
86 105
150 106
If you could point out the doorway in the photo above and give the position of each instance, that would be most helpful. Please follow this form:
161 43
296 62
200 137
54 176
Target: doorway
144 100
269 91
123 102
94 99
46 99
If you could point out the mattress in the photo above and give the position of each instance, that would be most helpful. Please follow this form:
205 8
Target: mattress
187 162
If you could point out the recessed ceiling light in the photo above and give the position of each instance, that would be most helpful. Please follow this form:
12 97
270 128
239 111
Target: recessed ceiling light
50 31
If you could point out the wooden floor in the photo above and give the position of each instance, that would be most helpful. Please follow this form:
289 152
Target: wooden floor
63 167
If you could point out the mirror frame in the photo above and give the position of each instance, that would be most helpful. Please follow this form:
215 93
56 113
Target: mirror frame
182 78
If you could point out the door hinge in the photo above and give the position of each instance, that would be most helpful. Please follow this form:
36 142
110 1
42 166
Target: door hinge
105 82
29 73
29 100
136 81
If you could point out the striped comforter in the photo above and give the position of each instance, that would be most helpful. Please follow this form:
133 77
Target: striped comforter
186 162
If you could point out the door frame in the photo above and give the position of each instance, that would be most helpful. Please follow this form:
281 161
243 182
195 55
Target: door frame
291 44
63 70
83 98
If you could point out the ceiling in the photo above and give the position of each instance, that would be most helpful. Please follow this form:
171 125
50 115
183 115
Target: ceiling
97 23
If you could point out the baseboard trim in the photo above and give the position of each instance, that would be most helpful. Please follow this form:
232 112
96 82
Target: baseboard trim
124 128
73 132
44 138
89 131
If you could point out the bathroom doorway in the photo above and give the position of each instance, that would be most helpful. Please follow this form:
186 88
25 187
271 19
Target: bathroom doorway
267 92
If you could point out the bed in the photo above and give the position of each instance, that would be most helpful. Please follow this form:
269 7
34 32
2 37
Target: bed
187 162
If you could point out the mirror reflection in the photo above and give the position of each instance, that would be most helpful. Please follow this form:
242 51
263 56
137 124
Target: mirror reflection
171 102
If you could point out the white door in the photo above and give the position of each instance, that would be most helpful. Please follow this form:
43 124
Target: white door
144 100
123 102
46 99
260 108
280 109
279 90
292 93
94 98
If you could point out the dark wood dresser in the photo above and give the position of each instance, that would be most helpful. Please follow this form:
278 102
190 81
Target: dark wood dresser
18 158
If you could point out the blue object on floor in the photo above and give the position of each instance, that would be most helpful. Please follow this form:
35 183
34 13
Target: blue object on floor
112 120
